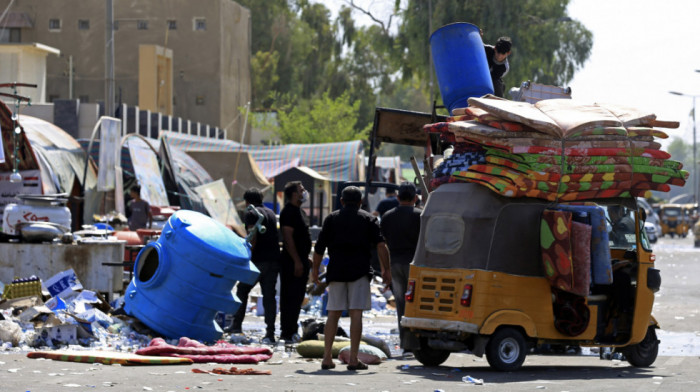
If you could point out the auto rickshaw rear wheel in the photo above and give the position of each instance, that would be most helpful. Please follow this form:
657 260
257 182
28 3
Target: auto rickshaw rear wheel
429 356
506 349
644 353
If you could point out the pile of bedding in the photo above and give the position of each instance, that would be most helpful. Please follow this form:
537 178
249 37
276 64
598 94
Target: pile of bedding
557 150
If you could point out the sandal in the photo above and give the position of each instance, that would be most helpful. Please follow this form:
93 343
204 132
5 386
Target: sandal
327 367
360 366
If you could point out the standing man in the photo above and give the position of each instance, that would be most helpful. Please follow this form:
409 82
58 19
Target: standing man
387 203
138 211
349 234
401 228
266 254
295 262
497 57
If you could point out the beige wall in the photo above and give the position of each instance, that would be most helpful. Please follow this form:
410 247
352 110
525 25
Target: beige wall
211 68
25 63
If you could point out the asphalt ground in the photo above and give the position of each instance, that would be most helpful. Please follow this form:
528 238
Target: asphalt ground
677 367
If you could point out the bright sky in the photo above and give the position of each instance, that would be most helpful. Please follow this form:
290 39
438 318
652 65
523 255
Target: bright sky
642 49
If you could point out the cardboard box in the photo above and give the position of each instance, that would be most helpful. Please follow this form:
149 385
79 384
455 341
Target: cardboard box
64 333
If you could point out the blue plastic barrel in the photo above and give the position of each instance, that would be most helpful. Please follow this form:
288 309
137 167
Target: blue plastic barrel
182 280
460 64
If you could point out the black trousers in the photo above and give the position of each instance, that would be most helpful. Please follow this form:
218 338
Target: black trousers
269 270
292 291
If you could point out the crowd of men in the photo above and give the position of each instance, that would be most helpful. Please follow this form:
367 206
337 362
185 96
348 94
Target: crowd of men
351 237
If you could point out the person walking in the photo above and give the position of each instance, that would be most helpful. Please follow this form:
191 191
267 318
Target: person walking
400 227
265 256
138 211
295 262
349 234
389 202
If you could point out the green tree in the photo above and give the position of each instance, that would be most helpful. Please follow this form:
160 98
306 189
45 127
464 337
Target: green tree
303 58
320 120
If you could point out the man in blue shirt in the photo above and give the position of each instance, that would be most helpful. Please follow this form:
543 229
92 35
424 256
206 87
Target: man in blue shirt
386 204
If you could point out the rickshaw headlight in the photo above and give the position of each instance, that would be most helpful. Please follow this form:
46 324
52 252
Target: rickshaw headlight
410 290
466 299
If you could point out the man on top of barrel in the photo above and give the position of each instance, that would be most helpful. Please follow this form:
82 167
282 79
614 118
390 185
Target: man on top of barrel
497 57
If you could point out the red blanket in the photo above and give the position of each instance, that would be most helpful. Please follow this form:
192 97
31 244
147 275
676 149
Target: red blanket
200 353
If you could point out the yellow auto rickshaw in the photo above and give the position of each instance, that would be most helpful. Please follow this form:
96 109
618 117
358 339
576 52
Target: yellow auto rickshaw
674 220
480 279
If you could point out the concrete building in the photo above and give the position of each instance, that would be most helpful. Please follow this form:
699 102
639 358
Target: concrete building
209 41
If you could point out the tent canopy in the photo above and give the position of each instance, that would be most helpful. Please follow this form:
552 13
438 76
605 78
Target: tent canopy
232 166
342 161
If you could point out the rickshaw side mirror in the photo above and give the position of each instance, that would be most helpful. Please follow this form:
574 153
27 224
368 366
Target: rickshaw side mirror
643 214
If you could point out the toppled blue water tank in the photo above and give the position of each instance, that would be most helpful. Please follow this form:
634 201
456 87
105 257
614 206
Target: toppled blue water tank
181 281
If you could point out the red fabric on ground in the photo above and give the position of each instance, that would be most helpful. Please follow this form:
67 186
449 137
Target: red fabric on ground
220 352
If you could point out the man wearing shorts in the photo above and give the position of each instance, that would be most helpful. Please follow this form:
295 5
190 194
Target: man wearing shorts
349 234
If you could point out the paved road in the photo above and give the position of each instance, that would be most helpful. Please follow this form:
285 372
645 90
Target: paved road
676 369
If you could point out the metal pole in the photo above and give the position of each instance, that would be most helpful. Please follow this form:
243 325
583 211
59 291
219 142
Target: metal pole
430 52
70 77
695 162
109 58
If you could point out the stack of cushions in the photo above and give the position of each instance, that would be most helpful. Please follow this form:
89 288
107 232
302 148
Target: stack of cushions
557 150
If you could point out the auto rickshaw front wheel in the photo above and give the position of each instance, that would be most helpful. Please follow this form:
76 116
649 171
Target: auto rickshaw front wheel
429 356
644 353
506 349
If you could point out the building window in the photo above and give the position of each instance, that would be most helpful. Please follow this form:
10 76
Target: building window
199 100
142 25
84 98
11 34
54 24
172 25
83 24
200 24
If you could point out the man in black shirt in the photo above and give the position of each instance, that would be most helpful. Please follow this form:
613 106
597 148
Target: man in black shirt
295 262
265 256
497 57
349 234
401 228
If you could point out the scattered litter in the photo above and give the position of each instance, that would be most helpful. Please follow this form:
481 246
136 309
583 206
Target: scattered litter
12 370
72 385
472 380
234 371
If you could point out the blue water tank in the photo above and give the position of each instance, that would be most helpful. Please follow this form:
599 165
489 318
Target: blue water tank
460 64
182 280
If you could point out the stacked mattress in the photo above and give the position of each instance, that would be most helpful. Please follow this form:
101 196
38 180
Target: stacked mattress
557 150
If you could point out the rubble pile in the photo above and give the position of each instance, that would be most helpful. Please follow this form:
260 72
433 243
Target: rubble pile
60 312
71 316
